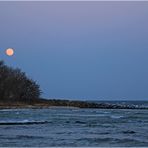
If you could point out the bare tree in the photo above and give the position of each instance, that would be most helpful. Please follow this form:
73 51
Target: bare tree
15 85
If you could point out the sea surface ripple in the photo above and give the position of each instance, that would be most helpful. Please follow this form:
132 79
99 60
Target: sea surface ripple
73 127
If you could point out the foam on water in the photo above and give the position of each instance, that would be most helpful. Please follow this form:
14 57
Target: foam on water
116 117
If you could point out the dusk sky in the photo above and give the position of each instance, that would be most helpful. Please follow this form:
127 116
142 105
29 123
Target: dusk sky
79 50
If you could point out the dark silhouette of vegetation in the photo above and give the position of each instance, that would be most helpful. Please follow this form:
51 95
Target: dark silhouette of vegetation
16 86
17 90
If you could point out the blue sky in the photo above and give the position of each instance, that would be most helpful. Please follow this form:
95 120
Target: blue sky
79 50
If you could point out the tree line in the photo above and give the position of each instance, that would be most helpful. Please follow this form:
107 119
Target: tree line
16 86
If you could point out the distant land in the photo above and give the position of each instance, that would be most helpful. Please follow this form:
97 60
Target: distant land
19 91
44 103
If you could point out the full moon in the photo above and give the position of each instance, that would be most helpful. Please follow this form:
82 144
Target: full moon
9 52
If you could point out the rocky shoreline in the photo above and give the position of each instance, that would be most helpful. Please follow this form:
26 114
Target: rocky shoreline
44 103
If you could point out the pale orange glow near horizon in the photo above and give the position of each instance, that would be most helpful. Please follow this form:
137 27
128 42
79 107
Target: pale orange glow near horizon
9 52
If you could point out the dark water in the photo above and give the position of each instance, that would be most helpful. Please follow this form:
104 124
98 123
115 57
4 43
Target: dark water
73 127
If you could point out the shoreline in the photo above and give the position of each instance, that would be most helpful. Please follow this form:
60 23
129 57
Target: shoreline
55 103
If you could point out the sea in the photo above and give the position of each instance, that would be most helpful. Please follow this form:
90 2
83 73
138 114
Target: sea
74 127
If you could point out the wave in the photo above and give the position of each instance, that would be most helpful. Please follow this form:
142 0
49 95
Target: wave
28 137
128 132
92 115
80 122
23 122
116 117
8 110
14 110
20 137
82 115
115 141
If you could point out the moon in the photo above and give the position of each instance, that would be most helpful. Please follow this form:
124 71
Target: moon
9 52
